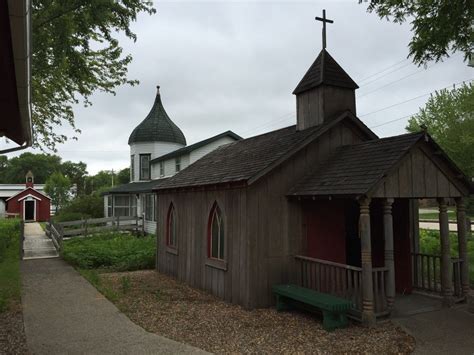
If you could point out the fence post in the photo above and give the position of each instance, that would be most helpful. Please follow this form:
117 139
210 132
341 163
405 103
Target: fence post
85 227
117 226
143 225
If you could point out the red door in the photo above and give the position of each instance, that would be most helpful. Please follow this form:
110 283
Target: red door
325 231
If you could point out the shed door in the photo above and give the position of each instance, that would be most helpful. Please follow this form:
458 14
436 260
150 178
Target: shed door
29 210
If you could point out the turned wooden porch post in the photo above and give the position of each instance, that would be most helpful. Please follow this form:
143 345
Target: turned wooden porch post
368 315
462 244
446 273
389 260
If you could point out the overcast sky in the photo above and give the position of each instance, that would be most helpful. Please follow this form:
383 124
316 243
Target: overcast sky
233 66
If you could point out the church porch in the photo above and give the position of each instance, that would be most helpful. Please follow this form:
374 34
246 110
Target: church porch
361 225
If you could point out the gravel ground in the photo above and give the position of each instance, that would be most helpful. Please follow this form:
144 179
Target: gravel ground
12 332
167 307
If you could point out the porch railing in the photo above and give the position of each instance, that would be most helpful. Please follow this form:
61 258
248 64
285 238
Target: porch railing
341 280
427 273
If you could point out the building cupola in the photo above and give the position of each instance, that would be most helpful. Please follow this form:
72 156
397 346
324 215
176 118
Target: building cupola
325 91
30 179
157 126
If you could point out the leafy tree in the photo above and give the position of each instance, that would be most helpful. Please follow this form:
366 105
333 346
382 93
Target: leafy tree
76 172
449 118
123 176
88 206
98 182
13 171
57 187
74 54
439 26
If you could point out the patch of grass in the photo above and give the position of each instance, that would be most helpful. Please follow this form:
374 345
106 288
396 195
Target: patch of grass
125 284
9 263
430 244
111 251
94 278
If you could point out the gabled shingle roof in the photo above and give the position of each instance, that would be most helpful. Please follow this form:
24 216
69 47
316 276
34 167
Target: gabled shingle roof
135 187
355 169
157 127
194 146
325 70
246 159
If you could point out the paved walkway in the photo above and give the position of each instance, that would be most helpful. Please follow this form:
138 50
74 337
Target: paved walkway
36 244
437 330
64 314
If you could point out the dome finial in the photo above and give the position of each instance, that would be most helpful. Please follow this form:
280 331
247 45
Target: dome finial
157 90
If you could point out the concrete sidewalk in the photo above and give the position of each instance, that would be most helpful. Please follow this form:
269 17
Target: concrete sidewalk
64 314
441 331
36 244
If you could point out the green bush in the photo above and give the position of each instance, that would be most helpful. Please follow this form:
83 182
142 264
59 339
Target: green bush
87 206
430 244
9 262
113 251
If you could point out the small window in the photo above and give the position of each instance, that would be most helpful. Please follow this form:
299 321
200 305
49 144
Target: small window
216 234
178 164
144 166
150 207
162 168
171 238
132 167
110 206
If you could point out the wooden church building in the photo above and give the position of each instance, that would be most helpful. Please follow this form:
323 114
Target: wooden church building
324 203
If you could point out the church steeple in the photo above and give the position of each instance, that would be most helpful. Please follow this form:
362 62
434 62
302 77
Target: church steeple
325 91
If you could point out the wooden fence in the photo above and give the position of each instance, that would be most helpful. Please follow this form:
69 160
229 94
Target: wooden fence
427 273
84 227
342 280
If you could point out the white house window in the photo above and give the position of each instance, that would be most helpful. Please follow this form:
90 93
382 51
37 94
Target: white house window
162 168
132 167
150 202
110 206
144 166
178 164
125 206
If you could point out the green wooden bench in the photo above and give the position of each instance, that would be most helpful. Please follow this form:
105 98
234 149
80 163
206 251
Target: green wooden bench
334 309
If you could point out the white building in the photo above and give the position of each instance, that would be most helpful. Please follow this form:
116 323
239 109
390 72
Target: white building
158 150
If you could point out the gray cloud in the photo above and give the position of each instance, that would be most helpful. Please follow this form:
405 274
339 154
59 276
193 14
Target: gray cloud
234 65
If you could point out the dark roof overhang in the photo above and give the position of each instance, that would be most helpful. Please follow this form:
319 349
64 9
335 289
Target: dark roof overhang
15 73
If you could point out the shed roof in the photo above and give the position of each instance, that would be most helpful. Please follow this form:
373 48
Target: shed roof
135 187
247 159
357 169
325 70
195 146
157 126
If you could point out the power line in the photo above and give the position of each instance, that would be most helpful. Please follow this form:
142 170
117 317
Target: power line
391 121
381 71
384 75
414 98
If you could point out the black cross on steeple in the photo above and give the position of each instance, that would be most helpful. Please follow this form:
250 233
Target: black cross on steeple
324 20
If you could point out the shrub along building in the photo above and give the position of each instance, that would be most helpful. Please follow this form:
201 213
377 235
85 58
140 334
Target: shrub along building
158 150
324 203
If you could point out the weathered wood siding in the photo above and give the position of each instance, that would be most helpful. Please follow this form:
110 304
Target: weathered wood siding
192 211
318 105
275 223
419 175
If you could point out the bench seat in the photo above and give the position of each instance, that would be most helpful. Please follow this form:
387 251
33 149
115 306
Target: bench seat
334 308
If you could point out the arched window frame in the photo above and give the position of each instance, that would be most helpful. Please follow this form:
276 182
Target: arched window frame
171 235
216 225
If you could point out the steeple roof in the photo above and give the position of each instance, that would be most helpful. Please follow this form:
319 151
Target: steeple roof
325 70
157 126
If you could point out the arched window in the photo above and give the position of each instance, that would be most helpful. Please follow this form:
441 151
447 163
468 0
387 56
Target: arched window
171 238
216 238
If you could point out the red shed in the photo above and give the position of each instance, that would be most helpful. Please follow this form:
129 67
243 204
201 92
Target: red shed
30 204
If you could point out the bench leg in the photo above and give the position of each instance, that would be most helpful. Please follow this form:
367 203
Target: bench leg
281 305
333 320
